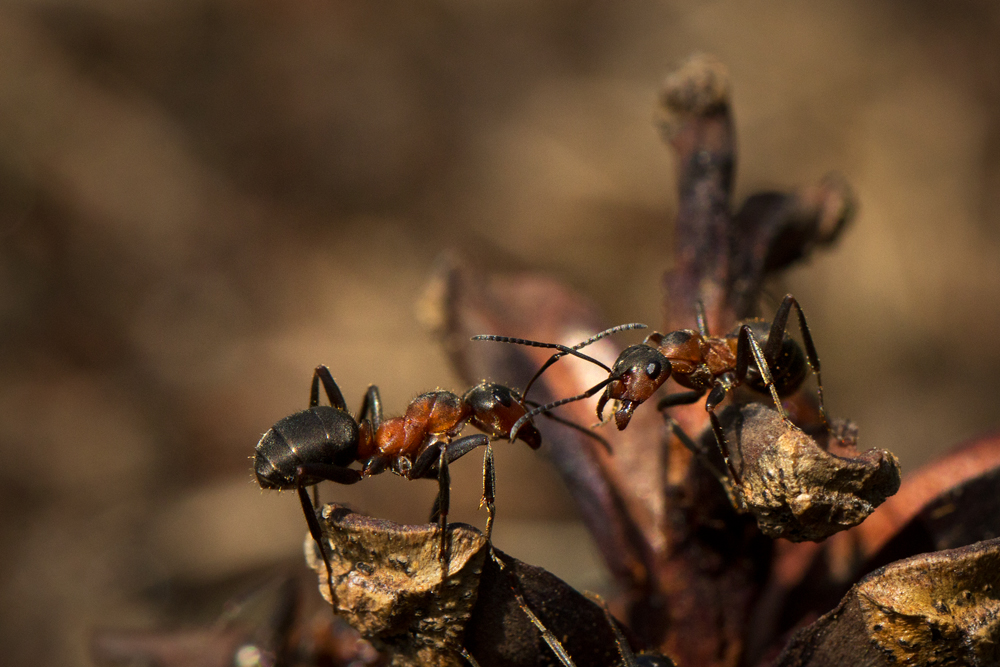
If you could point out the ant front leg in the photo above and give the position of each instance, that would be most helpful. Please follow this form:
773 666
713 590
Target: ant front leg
724 384
773 346
686 398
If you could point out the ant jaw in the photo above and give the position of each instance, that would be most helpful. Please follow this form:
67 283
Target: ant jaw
624 414
529 435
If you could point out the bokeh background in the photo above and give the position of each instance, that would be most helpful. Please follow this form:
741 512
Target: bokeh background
200 200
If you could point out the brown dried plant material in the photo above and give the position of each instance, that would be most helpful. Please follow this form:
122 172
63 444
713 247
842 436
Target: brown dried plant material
941 608
798 490
387 584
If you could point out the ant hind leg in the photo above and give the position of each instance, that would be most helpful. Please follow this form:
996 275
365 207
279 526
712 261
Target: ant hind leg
317 535
322 373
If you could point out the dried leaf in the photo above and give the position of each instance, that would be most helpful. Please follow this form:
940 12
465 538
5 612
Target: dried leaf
940 608
387 583
796 489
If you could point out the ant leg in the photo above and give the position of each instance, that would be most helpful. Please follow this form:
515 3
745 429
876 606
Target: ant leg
317 535
628 657
699 313
424 465
547 635
489 490
442 504
771 350
680 398
468 656
695 449
371 403
322 373
720 437
745 346
730 484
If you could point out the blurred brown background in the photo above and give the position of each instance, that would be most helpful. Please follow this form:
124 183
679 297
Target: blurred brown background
200 200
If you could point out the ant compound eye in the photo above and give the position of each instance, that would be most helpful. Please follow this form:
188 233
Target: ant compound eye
653 369
502 396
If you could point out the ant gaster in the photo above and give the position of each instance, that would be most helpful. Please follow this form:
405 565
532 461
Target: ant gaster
700 362
321 442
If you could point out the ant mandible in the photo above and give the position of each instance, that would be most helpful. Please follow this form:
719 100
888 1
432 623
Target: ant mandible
321 442
700 362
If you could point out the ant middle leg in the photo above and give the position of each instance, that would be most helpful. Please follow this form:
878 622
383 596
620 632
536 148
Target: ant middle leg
371 403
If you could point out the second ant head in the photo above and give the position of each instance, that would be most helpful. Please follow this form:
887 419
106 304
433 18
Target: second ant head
637 374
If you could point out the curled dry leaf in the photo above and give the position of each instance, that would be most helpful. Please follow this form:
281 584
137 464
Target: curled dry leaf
798 490
940 608
387 584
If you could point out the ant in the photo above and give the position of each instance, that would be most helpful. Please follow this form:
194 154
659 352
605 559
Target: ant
321 442
700 362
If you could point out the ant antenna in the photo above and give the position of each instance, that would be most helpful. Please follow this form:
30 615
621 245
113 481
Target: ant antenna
563 349
555 404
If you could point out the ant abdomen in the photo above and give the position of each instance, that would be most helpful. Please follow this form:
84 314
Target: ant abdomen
321 434
788 369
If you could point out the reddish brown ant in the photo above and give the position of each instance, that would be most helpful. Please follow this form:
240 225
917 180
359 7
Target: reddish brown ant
700 362
321 442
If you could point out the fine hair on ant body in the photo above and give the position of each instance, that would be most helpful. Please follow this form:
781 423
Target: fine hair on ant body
700 362
321 442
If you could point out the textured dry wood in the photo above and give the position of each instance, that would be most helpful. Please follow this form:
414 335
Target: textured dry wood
387 583
798 490
941 608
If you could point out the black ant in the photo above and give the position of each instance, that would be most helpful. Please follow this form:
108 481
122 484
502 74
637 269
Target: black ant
700 362
321 442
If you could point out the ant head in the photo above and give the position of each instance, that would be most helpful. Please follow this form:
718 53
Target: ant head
495 410
638 372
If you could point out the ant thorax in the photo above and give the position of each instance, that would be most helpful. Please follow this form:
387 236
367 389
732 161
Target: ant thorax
695 360
435 413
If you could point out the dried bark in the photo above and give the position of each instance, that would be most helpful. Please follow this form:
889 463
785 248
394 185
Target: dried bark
388 584
798 490
935 609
